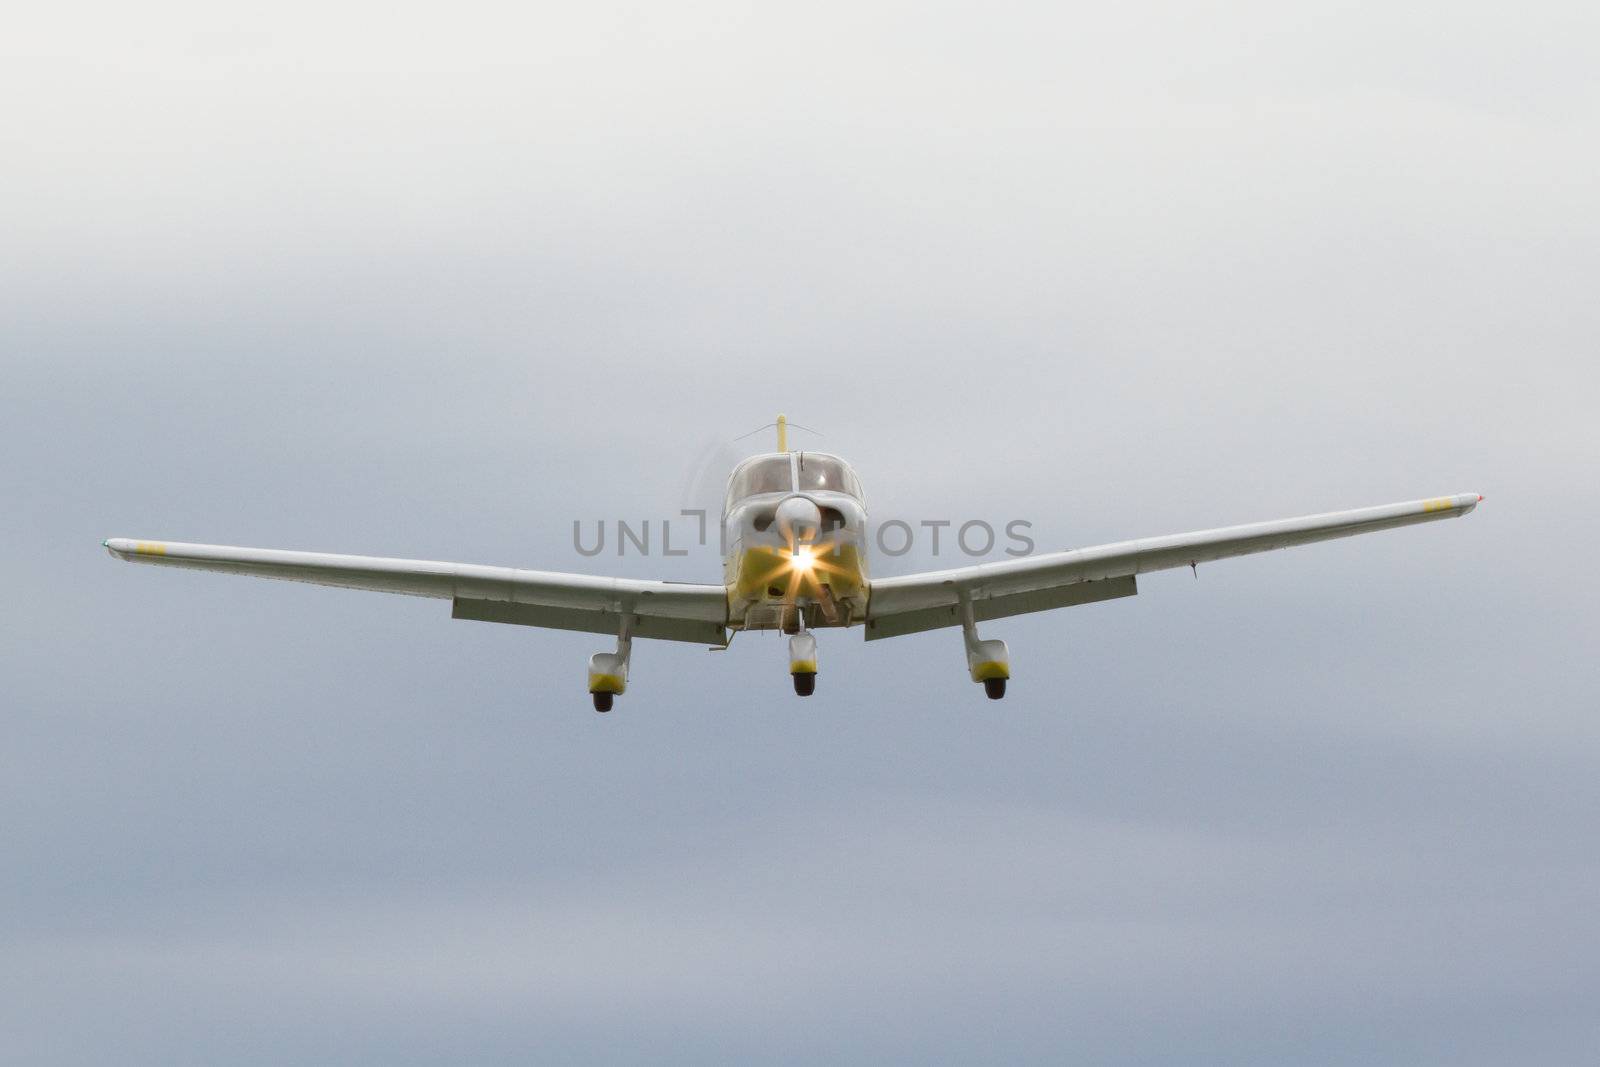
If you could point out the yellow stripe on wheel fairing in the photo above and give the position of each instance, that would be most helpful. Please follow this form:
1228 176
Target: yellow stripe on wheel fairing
606 683
990 669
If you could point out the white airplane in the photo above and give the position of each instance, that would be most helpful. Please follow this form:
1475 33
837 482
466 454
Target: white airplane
795 526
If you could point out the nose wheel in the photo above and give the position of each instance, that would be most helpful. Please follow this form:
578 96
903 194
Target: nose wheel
994 688
602 701
803 663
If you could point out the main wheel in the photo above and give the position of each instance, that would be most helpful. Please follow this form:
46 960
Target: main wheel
994 688
602 701
805 684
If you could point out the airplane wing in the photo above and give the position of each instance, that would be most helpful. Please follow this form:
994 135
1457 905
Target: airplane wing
667 610
931 600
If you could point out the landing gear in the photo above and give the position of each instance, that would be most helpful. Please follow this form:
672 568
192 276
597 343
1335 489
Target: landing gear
803 663
987 661
608 671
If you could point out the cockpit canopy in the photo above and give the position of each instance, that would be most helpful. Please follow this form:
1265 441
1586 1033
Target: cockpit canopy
774 473
761 474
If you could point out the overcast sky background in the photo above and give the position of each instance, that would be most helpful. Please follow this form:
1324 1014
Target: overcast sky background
433 281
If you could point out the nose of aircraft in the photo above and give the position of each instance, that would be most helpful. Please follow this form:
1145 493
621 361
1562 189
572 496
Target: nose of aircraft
798 520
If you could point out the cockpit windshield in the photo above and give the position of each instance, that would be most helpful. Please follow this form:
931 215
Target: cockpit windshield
764 474
770 474
819 471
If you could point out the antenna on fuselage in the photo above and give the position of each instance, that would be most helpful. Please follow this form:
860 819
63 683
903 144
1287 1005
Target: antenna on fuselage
783 424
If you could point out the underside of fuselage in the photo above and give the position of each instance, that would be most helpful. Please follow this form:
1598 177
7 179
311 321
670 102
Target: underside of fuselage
770 591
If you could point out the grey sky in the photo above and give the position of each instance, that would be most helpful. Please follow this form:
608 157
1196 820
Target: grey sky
435 281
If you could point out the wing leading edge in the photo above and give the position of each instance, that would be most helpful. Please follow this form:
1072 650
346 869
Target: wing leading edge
666 610
933 599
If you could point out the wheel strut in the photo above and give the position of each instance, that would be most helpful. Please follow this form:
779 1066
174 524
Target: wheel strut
608 671
987 661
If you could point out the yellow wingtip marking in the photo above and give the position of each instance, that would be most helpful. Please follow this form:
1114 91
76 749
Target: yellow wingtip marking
150 548
1441 503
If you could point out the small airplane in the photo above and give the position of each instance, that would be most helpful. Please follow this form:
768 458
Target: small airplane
795 561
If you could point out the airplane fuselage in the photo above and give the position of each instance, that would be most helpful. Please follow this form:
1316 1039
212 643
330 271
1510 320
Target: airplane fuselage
795 528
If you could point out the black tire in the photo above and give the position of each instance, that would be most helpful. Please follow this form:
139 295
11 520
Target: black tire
602 701
805 684
994 688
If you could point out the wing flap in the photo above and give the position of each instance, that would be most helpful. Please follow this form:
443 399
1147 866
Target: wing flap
644 623
999 607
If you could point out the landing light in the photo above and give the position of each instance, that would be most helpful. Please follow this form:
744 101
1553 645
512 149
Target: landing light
802 560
